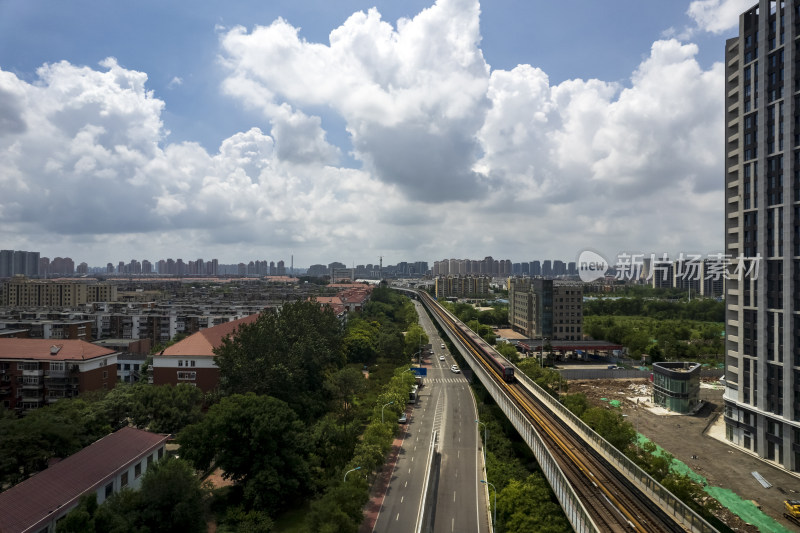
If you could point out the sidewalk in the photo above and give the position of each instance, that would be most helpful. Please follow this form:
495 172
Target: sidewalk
379 488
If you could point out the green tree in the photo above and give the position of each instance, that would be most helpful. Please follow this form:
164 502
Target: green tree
508 350
361 341
285 354
611 426
415 339
576 403
258 442
526 506
171 498
344 387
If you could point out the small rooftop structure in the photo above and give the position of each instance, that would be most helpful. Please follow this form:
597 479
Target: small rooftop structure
676 386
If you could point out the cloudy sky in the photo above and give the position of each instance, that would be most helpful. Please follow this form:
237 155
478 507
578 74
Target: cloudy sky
348 130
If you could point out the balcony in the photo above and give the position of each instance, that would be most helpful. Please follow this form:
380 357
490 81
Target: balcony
32 373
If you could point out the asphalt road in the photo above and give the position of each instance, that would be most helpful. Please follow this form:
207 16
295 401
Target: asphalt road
446 406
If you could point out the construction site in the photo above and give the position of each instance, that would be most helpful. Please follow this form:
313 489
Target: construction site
751 490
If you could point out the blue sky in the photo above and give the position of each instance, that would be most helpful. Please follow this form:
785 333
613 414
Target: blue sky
329 173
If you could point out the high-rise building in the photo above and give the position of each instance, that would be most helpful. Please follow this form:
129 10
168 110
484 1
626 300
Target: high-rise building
762 219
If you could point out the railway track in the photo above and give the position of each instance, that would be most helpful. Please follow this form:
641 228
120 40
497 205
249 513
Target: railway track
613 502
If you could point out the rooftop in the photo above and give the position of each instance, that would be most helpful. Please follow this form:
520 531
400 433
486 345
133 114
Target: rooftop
204 341
51 349
29 503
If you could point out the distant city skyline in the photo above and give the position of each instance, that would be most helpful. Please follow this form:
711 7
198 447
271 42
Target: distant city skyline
414 130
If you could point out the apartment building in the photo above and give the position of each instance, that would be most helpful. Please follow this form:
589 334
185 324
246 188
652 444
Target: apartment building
36 372
24 292
462 286
192 359
115 462
762 220
546 309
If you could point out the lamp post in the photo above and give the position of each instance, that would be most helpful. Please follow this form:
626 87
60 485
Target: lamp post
485 442
494 507
359 468
382 408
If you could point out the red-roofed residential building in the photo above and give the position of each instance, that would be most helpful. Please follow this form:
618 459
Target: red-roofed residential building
112 463
35 372
192 359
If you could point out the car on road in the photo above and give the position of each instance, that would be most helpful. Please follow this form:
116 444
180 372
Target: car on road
443 346
403 419
455 370
441 358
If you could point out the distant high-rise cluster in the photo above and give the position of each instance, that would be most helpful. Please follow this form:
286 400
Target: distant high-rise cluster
14 262
503 268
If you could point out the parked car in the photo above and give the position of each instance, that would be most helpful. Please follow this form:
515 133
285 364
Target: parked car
403 419
443 346
441 358
455 370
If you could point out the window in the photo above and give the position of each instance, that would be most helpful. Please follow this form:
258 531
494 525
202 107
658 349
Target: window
137 470
58 367
180 362
187 375
109 489
123 480
127 366
192 363
105 374
161 452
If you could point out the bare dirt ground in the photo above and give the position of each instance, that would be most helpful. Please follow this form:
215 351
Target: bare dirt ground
697 440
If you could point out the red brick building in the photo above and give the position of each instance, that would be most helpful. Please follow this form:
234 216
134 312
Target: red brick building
36 372
192 359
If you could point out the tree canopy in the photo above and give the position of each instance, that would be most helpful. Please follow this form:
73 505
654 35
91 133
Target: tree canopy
284 354
258 442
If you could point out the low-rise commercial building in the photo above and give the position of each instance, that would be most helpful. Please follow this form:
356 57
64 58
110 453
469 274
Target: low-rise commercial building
676 386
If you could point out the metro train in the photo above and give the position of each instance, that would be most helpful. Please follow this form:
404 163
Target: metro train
497 361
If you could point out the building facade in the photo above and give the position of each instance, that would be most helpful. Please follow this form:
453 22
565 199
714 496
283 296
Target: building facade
546 309
23 292
37 372
676 386
462 286
762 221
191 360
115 462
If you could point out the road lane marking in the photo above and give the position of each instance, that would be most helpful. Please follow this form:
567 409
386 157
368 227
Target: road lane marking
454 495
402 498
397 517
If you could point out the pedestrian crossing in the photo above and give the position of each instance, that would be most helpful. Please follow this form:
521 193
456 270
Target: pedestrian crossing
446 380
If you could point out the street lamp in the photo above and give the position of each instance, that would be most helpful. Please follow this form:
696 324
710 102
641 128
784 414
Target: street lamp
359 468
485 442
494 507
382 408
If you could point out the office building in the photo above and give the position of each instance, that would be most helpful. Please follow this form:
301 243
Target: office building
544 309
762 218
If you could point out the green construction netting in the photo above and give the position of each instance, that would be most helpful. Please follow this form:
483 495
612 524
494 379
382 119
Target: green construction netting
744 509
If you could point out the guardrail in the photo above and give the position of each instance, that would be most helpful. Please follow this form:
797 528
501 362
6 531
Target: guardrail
571 504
